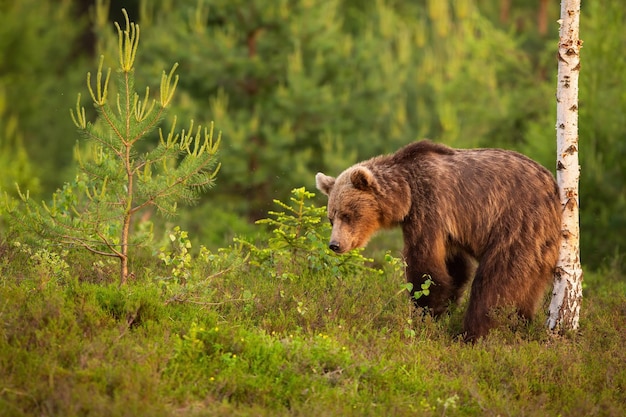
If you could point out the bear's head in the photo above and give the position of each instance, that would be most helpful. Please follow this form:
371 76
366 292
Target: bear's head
358 206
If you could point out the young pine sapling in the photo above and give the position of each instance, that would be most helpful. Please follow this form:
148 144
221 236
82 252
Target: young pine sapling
116 182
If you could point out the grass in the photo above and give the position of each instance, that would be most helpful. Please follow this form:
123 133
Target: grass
249 334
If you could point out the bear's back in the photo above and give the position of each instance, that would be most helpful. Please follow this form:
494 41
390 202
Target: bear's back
419 149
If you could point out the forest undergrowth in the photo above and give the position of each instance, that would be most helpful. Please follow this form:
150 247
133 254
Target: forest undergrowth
279 326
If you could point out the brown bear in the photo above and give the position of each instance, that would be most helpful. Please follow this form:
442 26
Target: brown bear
456 207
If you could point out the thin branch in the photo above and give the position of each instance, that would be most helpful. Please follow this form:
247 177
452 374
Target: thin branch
113 127
170 188
83 244
232 267
149 126
109 245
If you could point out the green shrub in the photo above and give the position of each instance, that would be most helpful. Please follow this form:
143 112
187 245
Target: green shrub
132 307
117 182
298 243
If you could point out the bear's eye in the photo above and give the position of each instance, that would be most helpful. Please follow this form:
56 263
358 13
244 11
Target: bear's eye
331 221
346 217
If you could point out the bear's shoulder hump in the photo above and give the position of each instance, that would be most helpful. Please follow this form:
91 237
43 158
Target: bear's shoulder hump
423 147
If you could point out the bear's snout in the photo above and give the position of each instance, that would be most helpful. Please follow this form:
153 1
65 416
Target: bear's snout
334 246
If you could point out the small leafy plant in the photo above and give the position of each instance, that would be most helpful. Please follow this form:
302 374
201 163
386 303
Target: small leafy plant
416 295
190 275
178 259
117 182
424 287
47 265
298 242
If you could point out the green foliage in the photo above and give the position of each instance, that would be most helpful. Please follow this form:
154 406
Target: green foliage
305 86
179 259
133 308
298 243
358 347
603 174
45 264
289 85
40 62
601 104
297 88
424 290
189 275
278 325
218 360
116 181
87 352
15 166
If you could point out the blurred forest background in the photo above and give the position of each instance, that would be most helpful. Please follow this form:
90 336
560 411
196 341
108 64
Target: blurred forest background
300 86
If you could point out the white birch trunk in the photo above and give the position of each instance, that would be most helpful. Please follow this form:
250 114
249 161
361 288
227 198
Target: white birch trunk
567 294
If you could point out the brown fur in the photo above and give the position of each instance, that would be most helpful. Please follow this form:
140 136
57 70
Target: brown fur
456 207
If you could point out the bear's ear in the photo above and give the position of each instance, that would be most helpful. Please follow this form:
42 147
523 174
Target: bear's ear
324 183
363 179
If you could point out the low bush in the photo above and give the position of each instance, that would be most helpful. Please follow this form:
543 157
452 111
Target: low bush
283 328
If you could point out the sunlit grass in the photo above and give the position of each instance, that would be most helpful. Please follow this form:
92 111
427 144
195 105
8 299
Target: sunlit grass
235 338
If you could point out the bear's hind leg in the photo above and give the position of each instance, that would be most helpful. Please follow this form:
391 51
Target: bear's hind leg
504 281
500 281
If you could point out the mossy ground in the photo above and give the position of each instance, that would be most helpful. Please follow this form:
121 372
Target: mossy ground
233 341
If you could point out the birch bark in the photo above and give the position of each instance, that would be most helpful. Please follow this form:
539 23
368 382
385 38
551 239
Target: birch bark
567 293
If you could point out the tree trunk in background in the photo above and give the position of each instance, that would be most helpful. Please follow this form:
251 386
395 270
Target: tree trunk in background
542 17
567 293
505 9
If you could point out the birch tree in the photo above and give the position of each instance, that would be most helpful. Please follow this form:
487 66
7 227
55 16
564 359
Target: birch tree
567 293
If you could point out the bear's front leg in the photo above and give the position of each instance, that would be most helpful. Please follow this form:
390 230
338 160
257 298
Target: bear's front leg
423 265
